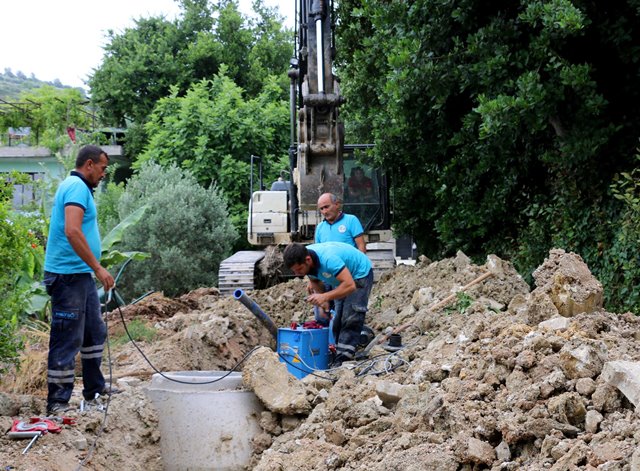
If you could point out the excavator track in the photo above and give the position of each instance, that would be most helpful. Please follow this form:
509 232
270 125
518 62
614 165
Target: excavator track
238 271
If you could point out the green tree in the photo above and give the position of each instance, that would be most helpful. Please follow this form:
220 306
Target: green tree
185 228
138 68
213 130
504 121
145 61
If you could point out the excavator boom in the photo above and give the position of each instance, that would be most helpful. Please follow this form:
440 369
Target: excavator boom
319 160
320 134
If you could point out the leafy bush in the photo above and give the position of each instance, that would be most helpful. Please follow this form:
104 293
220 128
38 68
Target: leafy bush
213 130
16 256
621 266
186 229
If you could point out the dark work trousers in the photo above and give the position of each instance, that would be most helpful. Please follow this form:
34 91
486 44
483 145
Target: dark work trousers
76 326
349 320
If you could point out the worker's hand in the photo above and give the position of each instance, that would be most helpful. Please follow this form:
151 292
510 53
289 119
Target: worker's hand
310 288
323 313
105 278
318 299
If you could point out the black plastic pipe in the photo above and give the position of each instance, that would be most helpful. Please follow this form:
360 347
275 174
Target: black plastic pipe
241 296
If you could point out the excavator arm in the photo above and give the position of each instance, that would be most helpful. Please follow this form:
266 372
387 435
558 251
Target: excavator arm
318 165
318 159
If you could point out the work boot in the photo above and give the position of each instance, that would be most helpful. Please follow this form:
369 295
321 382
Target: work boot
56 408
95 404
338 360
109 390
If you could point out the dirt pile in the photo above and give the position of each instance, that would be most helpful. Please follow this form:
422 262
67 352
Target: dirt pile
500 377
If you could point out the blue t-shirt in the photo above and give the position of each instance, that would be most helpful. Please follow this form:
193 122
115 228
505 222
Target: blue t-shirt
333 257
344 229
60 257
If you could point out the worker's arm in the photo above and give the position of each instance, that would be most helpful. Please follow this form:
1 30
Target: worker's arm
73 230
315 286
362 246
345 288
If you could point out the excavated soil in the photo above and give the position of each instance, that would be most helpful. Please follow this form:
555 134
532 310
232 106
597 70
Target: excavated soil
493 377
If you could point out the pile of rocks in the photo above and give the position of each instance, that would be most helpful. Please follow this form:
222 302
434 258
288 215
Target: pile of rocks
511 379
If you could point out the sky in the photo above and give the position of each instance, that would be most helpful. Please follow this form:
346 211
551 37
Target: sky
64 39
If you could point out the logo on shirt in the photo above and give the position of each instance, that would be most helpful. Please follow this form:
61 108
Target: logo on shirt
326 275
342 229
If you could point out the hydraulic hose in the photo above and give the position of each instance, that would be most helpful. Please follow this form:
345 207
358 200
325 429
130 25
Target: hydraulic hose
241 296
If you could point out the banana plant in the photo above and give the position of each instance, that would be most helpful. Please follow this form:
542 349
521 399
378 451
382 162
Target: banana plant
111 257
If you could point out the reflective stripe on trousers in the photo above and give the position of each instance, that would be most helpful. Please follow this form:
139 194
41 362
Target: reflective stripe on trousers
76 326
350 314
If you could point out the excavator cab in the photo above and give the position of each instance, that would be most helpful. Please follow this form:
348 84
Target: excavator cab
366 193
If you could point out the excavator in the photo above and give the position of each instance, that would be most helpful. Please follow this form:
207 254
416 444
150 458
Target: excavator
320 162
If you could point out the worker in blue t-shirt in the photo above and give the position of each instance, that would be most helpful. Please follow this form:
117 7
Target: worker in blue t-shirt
72 258
350 274
338 226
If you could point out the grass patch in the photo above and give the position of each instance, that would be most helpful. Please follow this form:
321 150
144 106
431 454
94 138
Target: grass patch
140 332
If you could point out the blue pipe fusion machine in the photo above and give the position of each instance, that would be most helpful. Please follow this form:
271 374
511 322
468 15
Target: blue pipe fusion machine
303 350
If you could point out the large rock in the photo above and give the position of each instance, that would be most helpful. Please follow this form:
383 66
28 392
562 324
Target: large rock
624 375
569 283
390 392
269 379
472 450
568 408
583 358
570 460
8 405
534 308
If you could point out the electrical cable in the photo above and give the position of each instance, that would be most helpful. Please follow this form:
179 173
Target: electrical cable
106 408
310 370
124 323
387 365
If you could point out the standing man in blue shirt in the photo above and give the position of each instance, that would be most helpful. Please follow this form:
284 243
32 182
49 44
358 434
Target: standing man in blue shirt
72 257
338 226
349 272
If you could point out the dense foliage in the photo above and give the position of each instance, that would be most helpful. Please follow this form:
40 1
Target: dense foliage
142 64
21 255
186 229
213 130
506 122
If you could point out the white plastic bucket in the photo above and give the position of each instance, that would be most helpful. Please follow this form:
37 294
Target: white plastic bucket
204 427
